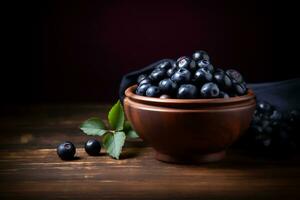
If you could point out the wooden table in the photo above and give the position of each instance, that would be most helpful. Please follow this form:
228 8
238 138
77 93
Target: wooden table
30 168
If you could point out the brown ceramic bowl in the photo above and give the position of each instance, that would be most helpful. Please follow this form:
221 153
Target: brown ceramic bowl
189 130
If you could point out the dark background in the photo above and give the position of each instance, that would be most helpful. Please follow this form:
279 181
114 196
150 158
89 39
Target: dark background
77 51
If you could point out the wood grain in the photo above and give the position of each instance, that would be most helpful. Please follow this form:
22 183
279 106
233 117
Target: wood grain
30 168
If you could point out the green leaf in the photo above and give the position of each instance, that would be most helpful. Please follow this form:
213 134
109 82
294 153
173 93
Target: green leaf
129 131
127 126
132 134
113 143
116 116
93 126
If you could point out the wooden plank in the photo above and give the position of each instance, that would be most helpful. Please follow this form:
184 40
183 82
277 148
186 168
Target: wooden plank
39 172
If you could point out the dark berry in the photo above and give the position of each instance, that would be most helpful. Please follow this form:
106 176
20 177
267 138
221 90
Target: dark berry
141 77
264 107
211 68
240 88
276 115
165 96
210 90
265 123
153 91
255 129
164 65
183 62
187 91
145 81
141 90
203 75
157 75
203 63
294 116
223 95
268 129
171 71
222 80
256 119
92 147
167 86
262 142
181 76
200 55
66 151
235 76
193 66
173 64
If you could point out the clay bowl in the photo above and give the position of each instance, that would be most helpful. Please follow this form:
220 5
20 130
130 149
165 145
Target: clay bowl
189 130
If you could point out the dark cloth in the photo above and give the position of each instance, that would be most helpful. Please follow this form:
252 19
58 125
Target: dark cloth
285 95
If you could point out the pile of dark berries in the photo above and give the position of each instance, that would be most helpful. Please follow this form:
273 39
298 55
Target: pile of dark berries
190 78
67 150
272 132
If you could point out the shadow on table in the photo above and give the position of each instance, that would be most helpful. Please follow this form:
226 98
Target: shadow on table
235 160
244 161
131 153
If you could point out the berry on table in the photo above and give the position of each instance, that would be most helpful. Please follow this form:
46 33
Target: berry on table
92 147
264 107
271 131
66 151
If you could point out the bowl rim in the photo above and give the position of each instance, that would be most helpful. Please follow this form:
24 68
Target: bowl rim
129 92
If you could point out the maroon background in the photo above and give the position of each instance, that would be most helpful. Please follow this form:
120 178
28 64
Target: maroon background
74 51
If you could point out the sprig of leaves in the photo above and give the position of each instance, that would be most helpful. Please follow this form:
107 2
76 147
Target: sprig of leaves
115 135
